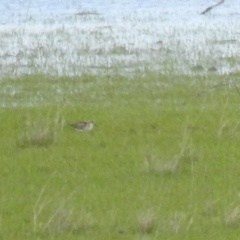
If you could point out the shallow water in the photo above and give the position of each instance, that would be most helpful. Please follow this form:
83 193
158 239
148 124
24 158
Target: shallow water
65 37
19 11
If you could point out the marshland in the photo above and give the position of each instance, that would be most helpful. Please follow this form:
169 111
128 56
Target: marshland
161 82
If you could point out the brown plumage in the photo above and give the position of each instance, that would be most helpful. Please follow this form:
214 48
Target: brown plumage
83 125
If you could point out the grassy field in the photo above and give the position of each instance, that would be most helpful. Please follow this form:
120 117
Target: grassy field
161 163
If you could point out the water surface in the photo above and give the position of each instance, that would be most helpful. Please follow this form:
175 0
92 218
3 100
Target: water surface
67 37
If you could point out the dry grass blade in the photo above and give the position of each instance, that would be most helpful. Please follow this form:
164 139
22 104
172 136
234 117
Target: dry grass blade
232 218
64 220
40 133
159 166
146 223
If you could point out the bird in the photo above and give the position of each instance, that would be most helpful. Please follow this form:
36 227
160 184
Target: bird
83 125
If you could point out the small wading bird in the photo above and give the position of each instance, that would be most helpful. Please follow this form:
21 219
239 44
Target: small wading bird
83 125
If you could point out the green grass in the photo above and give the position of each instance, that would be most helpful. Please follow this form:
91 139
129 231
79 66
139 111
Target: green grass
161 163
